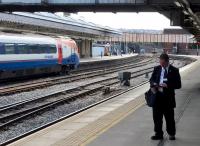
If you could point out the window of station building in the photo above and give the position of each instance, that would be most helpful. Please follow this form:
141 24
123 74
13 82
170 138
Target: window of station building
9 48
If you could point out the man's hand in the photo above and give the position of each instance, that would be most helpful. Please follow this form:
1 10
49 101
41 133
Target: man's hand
154 85
164 85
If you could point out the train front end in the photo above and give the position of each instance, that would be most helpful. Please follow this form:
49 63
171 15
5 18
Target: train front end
69 56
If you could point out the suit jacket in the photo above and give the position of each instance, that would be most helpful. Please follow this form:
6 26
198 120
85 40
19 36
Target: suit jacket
167 98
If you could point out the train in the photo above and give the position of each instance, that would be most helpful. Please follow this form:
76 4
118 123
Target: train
23 56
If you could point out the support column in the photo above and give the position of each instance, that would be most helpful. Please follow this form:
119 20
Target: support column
90 48
86 48
82 49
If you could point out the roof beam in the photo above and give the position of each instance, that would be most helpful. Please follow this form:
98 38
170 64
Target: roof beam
185 6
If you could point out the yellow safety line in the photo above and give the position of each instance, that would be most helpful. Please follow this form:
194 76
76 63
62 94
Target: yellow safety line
92 138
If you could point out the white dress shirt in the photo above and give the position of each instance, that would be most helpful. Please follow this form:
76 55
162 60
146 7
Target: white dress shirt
162 79
163 74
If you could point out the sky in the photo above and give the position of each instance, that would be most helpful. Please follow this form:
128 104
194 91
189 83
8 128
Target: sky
153 21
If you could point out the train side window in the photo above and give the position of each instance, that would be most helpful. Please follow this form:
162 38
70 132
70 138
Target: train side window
42 49
10 49
2 49
22 49
33 49
52 49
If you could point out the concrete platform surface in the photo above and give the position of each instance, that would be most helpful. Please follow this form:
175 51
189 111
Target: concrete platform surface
137 128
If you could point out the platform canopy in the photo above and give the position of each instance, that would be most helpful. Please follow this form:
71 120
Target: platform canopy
183 13
52 24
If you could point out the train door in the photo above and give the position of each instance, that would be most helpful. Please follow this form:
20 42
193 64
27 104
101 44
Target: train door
73 52
66 53
60 56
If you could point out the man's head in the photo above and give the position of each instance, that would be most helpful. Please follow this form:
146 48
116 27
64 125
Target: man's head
164 60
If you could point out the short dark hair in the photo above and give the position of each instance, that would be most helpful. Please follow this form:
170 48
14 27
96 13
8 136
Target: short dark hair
165 57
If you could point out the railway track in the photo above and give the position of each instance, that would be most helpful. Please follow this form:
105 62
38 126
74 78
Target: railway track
13 111
16 113
68 116
67 79
107 64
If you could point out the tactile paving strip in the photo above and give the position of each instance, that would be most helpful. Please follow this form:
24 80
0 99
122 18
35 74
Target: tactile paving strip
80 137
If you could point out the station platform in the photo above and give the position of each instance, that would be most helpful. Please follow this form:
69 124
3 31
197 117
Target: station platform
105 58
137 128
126 121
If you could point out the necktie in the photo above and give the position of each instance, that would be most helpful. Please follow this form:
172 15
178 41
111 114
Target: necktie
165 74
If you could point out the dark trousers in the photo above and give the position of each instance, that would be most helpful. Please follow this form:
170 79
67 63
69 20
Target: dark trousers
168 113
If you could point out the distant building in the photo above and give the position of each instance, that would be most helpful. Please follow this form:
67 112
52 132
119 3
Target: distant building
169 40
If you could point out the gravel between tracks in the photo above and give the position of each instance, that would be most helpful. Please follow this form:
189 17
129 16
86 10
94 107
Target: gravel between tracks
5 100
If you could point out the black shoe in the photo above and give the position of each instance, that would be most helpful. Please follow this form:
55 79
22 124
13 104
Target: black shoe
157 137
172 137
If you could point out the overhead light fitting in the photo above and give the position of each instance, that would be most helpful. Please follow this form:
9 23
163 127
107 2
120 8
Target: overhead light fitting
186 20
190 11
191 18
195 23
185 12
178 4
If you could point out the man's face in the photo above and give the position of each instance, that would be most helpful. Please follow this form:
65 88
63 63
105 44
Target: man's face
163 63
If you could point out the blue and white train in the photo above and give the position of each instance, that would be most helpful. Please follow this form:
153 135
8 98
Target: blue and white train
25 55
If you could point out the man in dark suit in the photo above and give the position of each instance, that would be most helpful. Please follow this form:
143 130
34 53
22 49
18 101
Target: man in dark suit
164 80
